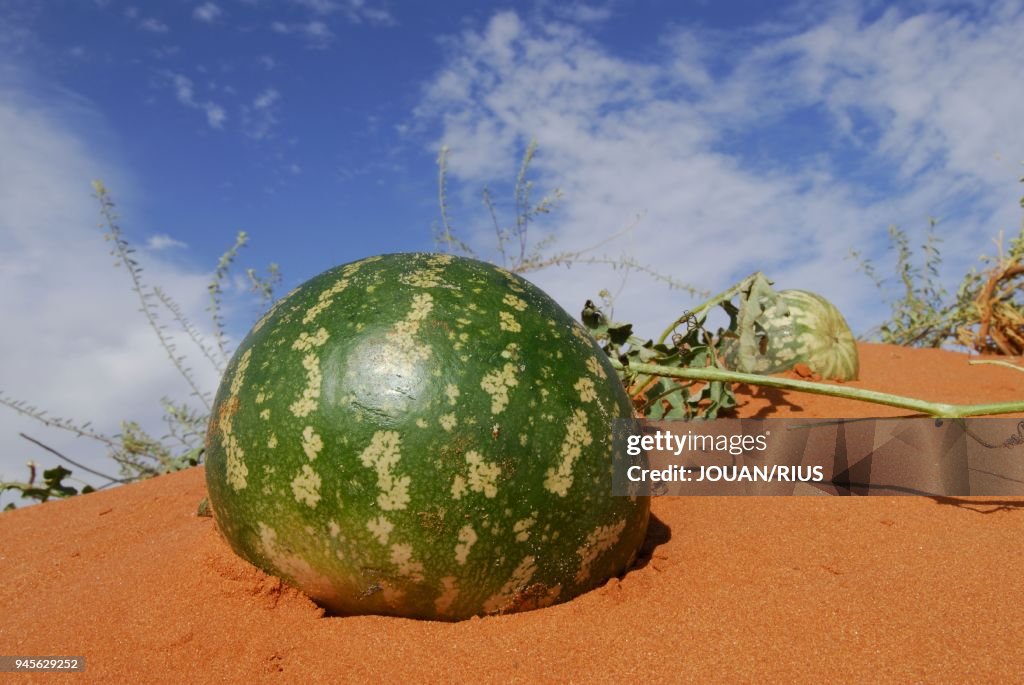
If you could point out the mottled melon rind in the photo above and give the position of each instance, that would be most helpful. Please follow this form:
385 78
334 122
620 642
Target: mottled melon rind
811 330
424 436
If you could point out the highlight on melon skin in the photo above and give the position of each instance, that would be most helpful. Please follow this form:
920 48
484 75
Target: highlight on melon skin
426 436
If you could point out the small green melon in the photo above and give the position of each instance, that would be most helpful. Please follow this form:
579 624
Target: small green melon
802 327
426 436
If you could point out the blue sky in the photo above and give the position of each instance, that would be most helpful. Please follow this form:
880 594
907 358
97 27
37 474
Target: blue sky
714 138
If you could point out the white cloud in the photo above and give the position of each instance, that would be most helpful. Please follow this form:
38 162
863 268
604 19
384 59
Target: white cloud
184 92
907 113
153 25
355 11
584 13
319 6
316 32
208 12
215 115
162 241
259 119
266 99
75 342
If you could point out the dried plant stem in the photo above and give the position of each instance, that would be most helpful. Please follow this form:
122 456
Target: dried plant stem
123 252
71 461
189 329
997 362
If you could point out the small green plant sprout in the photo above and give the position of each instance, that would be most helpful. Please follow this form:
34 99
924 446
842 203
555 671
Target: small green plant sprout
137 453
52 485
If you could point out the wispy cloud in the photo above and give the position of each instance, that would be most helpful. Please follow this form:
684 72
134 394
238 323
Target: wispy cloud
208 12
355 11
584 13
184 92
162 241
266 99
900 118
259 118
153 25
316 32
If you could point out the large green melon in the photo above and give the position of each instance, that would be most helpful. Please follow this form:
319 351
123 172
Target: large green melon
426 436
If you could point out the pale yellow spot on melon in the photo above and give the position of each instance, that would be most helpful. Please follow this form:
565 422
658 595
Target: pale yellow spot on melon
585 387
237 471
272 442
516 303
594 366
333 528
311 442
509 323
265 414
511 351
449 592
521 577
599 541
482 476
401 556
452 392
306 342
522 527
261 397
239 377
577 437
497 383
306 404
382 456
306 486
467 538
403 333
422 278
422 423
448 422
325 299
458 487
380 528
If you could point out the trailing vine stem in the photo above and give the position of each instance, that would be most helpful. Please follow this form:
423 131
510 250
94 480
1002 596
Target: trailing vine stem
936 409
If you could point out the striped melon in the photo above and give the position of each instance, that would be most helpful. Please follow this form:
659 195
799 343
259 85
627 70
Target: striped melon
425 436
806 328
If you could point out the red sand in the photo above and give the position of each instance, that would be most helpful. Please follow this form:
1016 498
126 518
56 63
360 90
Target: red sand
804 589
